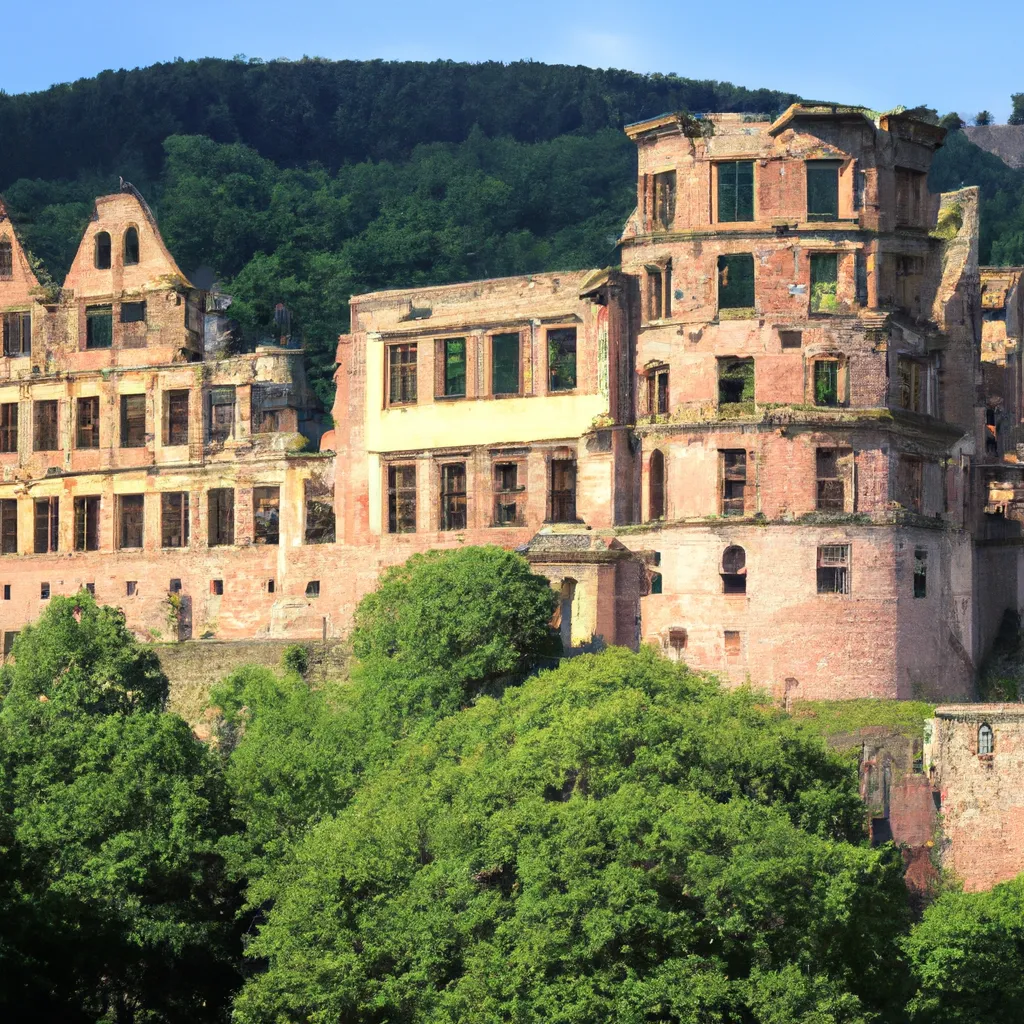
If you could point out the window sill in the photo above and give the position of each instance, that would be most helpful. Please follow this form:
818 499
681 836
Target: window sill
400 405
437 398
738 313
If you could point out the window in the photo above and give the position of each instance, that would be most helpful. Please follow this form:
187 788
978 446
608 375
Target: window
509 499
87 422
269 586
175 417
46 525
266 506
909 480
87 524
320 526
17 329
6 261
453 496
659 291
824 282
920 572
222 413
91 588
505 364
910 195
831 492
734 570
834 569
826 382
657 391
99 326
9 427
130 520
7 591
562 359
791 339
656 583
451 353
736 281
677 639
133 421
402 375
563 491
174 586
656 485
733 643
313 588
909 376
822 190
221 516
101 250
733 465
860 277
401 499
45 425
664 199
217 587
133 312
131 588
735 380
44 591
131 247
8 526
986 740
736 191
174 526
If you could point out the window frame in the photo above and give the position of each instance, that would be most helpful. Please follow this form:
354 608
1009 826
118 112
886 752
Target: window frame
222 426
514 340
511 494
132 434
733 478
823 287
553 336
266 515
562 500
171 518
103 251
826 382
663 199
6 259
733 570
402 387
735 187
220 517
986 738
454 502
101 313
9 427
447 380
401 510
49 529
42 439
17 343
920 557
732 304
87 437
8 526
173 422
130 257
86 510
817 169
834 567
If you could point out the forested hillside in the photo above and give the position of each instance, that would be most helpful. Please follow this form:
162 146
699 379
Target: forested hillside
305 182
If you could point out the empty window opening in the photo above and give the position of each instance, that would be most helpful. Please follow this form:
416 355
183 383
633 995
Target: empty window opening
831 492
174 586
131 247
505 364
910 376
563 491
174 526
656 583
101 250
824 282
834 569
131 588
130 520
6 261
657 391
44 415
657 485
401 499
509 497
266 508
91 588
664 199
99 326
87 524
453 496
735 380
44 591
313 588
217 587
822 189
920 572
8 526
7 591
221 516
734 570
860 277
734 481
46 525
133 312
910 196
659 291
175 417
9 427
17 332
909 482
736 191
87 422
791 339
826 382
222 413
736 281
451 356
401 374
270 586
133 421
986 740
562 359
320 525
733 643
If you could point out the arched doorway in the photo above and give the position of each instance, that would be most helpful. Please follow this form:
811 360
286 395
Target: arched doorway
656 481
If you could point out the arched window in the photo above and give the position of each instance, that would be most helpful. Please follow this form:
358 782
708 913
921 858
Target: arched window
6 261
102 252
986 739
734 570
131 247
657 486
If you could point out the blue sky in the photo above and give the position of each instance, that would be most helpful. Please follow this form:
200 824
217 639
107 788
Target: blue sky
869 53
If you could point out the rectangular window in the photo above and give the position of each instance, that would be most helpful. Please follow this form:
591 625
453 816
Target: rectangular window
736 281
266 508
6 266
909 375
17 331
131 588
664 199
130 520
509 497
735 380
7 591
133 421
562 359
175 417
87 422
910 194
99 326
87 524
221 516
834 569
313 588
44 591
453 496
133 312
733 466
822 189
826 382
452 380
9 427
8 526
505 364
563 491
657 391
320 525
831 492
402 375
736 191
824 282
217 588
222 413
733 643
909 480
860 272
401 499
47 523
174 526
655 298
920 572
44 416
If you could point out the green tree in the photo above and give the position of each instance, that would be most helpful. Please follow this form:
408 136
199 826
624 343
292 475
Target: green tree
983 117
1017 117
